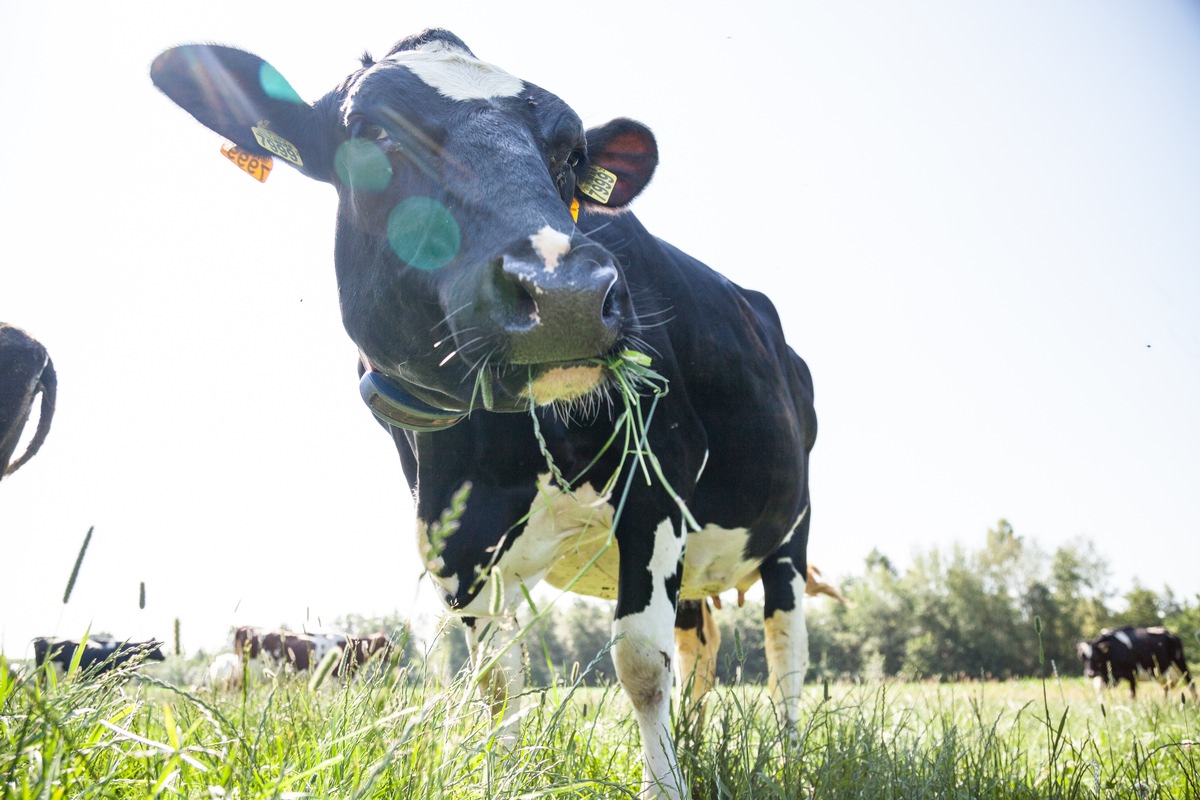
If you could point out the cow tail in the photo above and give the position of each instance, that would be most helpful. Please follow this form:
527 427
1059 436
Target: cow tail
48 384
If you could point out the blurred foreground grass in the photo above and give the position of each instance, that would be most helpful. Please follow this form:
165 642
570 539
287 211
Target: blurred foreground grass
399 734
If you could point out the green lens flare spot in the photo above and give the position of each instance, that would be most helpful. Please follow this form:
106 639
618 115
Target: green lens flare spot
362 166
275 85
423 232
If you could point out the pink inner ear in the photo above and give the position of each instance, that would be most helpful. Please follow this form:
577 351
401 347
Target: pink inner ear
624 153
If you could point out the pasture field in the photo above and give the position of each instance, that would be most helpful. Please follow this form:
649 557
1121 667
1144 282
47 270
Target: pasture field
400 734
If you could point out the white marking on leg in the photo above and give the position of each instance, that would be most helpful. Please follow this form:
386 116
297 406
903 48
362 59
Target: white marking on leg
642 656
787 655
550 245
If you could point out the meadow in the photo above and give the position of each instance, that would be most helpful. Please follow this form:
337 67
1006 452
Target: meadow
399 733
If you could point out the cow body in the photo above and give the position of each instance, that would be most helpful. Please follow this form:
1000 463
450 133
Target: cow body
25 372
496 330
1127 654
99 655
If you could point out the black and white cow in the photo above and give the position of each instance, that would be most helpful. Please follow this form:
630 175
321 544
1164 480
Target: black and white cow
498 291
99 655
1127 654
25 372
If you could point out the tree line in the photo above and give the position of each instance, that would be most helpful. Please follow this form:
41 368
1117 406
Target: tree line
1007 609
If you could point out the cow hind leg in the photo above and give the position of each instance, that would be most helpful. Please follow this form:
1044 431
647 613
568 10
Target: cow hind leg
786 634
697 641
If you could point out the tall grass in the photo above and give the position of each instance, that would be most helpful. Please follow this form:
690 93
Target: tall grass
403 733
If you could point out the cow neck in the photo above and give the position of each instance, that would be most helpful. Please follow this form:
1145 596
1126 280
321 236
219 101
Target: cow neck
392 403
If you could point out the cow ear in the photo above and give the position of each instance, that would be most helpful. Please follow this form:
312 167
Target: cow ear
621 158
244 99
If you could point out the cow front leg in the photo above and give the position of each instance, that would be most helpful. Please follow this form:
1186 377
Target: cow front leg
697 642
786 634
643 625
499 665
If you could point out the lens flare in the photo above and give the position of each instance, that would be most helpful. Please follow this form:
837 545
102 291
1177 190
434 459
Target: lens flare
423 232
275 85
362 166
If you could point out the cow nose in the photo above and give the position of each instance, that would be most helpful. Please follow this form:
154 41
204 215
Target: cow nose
572 309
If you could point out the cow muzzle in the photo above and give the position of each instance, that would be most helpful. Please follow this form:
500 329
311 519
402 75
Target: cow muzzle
554 300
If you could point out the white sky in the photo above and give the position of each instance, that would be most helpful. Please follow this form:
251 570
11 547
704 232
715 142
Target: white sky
980 223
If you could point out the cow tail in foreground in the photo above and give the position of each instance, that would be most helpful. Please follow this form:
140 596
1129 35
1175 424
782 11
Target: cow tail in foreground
25 372
498 289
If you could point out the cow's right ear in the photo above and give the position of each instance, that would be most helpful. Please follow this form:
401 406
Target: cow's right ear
621 158
246 100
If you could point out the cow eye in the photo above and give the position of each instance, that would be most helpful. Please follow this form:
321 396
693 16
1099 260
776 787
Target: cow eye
369 131
574 158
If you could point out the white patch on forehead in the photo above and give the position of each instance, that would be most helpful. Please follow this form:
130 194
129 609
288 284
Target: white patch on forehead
550 245
457 74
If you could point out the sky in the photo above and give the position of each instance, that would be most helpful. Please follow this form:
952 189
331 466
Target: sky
979 223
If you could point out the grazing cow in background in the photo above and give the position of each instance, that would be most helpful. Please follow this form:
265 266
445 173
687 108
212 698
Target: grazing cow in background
503 303
246 642
225 671
360 649
99 655
1127 654
25 371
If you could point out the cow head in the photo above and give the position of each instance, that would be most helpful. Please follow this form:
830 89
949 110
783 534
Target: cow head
1095 658
462 275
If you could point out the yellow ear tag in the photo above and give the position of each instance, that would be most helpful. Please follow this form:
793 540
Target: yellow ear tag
257 167
278 145
575 208
598 183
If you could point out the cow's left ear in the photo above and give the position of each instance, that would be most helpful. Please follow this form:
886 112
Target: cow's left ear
246 100
621 158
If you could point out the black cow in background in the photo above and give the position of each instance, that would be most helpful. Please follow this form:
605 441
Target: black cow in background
25 372
1126 654
99 655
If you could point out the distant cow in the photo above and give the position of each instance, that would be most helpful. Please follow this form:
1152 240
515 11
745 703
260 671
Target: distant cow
360 649
225 671
25 372
504 304
99 655
1126 654
297 650
303 651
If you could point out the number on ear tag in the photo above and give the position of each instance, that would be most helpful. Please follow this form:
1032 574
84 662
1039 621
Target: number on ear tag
278 145
598 183
257 167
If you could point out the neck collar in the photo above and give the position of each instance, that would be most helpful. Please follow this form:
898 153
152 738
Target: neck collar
396 406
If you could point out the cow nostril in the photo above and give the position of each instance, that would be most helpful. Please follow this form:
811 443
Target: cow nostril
514 304
611 309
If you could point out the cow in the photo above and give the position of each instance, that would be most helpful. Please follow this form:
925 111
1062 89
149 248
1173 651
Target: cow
225 671
358 650
283 648
1126 654
572 399
99 655
25 372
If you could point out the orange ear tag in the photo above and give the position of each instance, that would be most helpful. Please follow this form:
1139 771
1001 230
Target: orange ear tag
257 167
575 208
